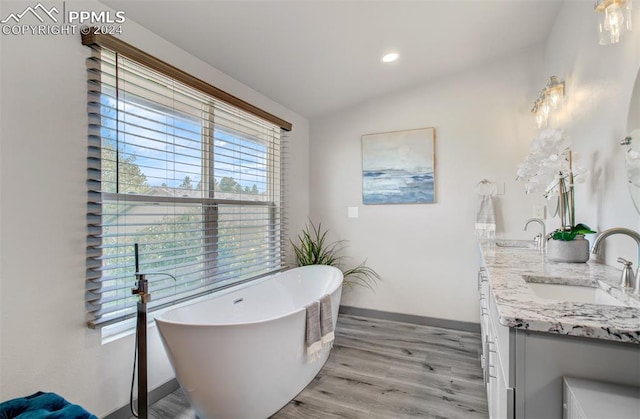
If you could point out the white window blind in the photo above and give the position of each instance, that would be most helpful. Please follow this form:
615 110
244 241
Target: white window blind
196 182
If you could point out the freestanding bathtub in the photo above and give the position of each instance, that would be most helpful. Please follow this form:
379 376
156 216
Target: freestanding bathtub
242 355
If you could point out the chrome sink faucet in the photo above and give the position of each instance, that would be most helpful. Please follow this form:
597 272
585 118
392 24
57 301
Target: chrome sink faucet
627 232
540 238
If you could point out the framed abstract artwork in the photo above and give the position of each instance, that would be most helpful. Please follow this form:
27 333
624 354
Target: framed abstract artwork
399 167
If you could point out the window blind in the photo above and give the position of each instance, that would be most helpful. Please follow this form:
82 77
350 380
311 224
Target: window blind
195 181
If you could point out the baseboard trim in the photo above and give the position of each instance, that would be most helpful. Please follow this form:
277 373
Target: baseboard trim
411 318
154 395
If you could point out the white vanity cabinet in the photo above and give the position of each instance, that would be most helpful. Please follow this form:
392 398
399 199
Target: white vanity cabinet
524 370
495 357
483 293
499 366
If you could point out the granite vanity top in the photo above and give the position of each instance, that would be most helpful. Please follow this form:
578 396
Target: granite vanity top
519 307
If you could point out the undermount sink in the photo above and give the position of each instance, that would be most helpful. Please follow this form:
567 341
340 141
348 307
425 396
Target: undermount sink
574 293
522 244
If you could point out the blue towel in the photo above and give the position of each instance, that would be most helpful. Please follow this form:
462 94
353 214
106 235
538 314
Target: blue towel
42 405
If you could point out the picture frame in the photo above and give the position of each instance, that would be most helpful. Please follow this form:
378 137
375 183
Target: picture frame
398 167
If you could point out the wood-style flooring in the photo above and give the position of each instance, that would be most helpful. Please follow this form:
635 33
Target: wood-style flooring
383 370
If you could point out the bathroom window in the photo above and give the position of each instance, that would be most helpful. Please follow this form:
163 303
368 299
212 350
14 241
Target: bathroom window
194 180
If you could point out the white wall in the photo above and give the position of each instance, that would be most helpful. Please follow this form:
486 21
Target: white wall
426 253
45 344
600 81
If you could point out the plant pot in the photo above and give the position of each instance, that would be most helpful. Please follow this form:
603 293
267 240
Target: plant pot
573 251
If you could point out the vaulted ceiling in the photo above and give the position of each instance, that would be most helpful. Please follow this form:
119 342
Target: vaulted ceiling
317 57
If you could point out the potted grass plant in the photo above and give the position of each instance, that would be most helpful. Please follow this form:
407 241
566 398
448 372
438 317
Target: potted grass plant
314 248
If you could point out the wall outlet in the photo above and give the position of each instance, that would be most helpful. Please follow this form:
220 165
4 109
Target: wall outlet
539 211
352 212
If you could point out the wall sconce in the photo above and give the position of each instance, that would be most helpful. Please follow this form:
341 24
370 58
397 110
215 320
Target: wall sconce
554 91
550 98
541 111
614 17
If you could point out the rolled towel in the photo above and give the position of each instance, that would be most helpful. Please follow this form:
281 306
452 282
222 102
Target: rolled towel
326 321
313 339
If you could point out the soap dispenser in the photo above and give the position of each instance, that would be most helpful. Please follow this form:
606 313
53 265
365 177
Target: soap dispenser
627 274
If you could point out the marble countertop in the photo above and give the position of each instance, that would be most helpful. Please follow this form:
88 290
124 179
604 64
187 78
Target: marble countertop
507 265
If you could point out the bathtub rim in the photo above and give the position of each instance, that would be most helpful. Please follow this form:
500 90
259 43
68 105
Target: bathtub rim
159 319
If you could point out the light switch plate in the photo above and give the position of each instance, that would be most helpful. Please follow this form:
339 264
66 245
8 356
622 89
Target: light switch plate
352 212
539 211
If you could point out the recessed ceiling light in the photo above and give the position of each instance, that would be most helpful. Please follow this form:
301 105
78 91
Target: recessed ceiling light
391 57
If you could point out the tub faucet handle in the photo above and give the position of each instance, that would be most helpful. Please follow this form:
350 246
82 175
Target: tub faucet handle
142 288
142 285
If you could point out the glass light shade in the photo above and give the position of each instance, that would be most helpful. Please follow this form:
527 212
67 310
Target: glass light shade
541 119
554 98
541 109
554 92
614 18
545 107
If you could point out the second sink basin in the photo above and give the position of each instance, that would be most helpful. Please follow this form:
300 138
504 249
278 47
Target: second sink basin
521 244
574 293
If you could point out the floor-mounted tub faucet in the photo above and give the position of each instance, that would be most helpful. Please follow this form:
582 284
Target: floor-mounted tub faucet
627 232
142 291
540 239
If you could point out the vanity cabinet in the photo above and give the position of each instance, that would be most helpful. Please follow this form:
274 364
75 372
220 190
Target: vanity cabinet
524 370
613 401
495 357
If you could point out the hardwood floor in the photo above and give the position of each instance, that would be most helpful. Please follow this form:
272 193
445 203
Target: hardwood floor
383 370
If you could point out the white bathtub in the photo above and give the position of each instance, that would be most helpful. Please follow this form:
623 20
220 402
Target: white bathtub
242 355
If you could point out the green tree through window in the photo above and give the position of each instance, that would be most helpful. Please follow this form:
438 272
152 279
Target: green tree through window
197 195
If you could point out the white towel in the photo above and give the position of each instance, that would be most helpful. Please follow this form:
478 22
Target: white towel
485 217
485 212
319 335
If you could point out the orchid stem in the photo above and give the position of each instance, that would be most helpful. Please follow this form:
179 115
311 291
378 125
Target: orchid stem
561 201
572 208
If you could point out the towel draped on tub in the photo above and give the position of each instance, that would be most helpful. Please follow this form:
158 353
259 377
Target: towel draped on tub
42 406
319 332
